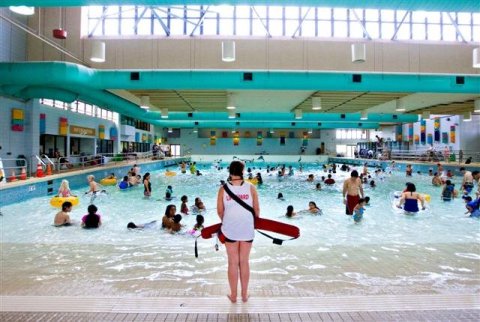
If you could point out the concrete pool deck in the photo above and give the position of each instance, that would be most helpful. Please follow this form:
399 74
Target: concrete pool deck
458 307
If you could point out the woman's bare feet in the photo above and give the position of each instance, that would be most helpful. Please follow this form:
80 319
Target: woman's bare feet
245 298
232 299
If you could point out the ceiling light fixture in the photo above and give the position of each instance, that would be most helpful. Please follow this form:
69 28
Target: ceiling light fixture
316 103
228 51
298 113
230 102
399 106
363 115
23 10
467 117
231 114
359 53
476 106
164 113
476 57
98 52
272 131
170 130
310 131
145 102
195 130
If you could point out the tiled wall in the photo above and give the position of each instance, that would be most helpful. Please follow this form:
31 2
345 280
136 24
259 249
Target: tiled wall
50 186
13 41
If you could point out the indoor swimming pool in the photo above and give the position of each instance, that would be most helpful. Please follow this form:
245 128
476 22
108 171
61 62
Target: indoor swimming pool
435 251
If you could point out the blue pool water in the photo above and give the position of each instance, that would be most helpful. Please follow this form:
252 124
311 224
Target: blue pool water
438 249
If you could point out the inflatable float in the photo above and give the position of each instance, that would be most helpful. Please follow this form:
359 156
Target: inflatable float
108 182
253 181
170 173
260 224
396 195
57 202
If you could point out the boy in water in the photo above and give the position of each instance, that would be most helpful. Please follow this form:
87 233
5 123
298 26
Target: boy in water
62 218
358 211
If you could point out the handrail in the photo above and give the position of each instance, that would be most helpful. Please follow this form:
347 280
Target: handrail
40 160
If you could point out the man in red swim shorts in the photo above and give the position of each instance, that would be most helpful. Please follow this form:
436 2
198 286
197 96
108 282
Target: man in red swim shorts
352 192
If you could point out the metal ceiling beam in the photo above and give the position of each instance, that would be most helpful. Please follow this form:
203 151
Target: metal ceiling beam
438 5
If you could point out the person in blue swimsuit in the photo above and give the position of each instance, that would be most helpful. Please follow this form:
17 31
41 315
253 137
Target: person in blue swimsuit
358 210
409 199
473 208
448 192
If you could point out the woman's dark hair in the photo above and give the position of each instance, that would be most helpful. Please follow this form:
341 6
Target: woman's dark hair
411 187
289 211
167 210
131 225
236 168
146 175
92 209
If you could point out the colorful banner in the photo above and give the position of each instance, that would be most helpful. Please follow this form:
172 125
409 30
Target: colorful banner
416 138
144 137
63 126
236 138
429 138
305 139
436 129
101 132
410 133
259 138
398 133
43 123
423 131
213 138
150 138
113 133
445 137
17 120
452 134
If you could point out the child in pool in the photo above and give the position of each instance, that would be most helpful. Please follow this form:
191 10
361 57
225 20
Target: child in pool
147 225
313 209
175 226
280 196
124 184
62 218
290 213
199 224
92 219
318 186
358 211
111 176
184 206
367 200
169 189
473 208
64 190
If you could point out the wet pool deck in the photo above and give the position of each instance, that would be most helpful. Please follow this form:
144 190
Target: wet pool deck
455 307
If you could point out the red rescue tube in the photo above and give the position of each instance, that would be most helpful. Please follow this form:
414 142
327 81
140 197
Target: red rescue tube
261 224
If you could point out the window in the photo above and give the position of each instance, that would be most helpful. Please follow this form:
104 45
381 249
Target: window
350 134
280 21
83 108
175 150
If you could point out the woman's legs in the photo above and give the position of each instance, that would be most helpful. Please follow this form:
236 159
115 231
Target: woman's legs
244 262
233 265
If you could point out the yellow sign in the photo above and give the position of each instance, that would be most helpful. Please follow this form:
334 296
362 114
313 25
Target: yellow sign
78 130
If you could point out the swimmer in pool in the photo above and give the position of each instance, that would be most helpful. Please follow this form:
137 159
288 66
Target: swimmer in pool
280 196
175 226
184 206
62 218
290 212
352 192
167 219
313 209
148 225
410 198
473 208
64 190
358 211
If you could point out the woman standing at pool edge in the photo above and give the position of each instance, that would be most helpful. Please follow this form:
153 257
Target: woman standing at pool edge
238 228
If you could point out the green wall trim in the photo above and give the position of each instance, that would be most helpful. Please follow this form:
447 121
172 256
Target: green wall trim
435 5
